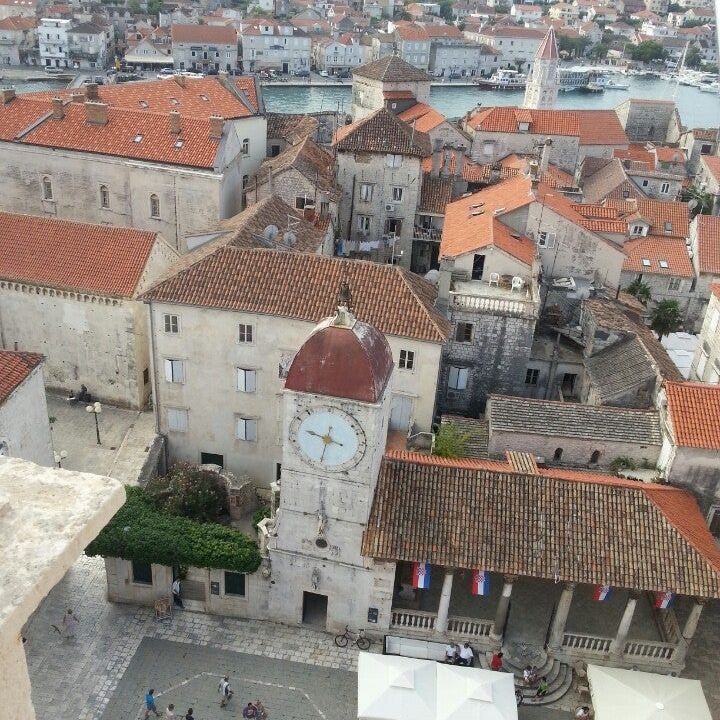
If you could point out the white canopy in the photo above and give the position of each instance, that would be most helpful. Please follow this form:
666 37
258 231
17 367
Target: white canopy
645 696
400 688
472 694
395 688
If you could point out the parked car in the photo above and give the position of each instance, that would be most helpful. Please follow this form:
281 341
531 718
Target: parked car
344 74
53 70
211 71
302 73
323 73
167 71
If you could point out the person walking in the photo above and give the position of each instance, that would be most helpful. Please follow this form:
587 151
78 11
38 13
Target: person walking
496 662
177 597
262 713
225 691
170 712
150 704
249 711
189 715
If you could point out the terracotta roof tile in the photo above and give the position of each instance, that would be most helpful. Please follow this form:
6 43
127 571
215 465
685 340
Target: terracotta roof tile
14 368
657 213
435 194
398 95
422 117
382 132
304 286
73 256
411 31
18 23
659 251
218 34
290 127
712 163
19 114
694 410
391 69
562 525
708 243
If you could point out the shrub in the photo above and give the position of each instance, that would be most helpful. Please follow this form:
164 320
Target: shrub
450 442
260 514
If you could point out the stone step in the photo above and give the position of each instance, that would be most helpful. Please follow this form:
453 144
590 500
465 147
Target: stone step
512 665
554 678
555 694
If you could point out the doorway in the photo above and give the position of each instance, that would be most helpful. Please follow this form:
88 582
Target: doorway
401 412
478 267
207 458
314 610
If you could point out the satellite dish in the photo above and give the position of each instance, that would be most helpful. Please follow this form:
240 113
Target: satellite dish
289 238
270 232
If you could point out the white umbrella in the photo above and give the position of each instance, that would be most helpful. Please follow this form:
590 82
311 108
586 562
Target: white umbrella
645 696
395 688
472 694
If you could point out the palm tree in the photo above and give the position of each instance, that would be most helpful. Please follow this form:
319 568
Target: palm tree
665 318
640 290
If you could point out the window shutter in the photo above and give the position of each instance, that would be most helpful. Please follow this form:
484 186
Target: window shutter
240 428
462 378
169 370
250 381
453 377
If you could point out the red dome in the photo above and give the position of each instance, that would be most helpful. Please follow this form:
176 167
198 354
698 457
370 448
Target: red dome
343 358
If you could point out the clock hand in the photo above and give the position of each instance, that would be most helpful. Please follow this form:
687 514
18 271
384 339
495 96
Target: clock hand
312 432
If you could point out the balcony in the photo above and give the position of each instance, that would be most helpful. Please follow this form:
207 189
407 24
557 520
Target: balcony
431 234
421 623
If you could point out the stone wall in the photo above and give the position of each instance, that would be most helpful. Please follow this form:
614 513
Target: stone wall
696 470
647 120
368 95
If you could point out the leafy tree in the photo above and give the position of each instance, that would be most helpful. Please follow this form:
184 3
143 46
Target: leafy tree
648 50
665 318
599 51
402 15
139 531
259 515
702 202
446 10
573 46
674 7
134 7
693 57
450 442
640 290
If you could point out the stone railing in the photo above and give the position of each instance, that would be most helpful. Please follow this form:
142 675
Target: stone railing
413 619
642 650
667 620
421 233
469 627
579 644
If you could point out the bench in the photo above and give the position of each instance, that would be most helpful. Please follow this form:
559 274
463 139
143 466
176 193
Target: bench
414 648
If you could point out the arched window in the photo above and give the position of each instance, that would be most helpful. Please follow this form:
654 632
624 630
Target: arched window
558 454
246 146
154 206
47 190
595 457
104 197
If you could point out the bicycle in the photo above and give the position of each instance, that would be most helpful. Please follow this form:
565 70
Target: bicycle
357 638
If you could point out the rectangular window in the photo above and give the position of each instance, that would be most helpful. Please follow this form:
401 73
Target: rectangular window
546 240
638 230
366 192
705 149
246 380
464 332
457 378
245 333
397 194
674 284
234 584
407 360
714 318
172 323
393 161
668 227
714 378
177 419
300 202
665 188
645 183
141 572
175 371
363 223
246 429
488 148
531 376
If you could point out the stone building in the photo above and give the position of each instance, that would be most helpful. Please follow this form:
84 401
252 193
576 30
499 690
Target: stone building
379 170
706 361
54 43
515 45
260 305
386 78
91 45
708 179
442 132
412 43
656 121
156 156
543 82
696 143
24 425
18 38
17 8
273 45
200 47
79 305
705 246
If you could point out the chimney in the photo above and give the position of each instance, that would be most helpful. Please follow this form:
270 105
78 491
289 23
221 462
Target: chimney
91 91
269 182
459 161
78 96
57 107
180 80
545 157
217 125
436 157
495 173
446 155
8 94
96 113
175 124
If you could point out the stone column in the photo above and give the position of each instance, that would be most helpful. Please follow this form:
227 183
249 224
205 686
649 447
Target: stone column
617 647
688 632
502 609
557 629
444 605
14 678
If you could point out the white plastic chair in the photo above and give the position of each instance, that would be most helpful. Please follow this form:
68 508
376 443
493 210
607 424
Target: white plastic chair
494 279
517 283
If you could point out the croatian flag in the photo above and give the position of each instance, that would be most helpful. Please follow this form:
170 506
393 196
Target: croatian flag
602 593
421 576
480 582
664 600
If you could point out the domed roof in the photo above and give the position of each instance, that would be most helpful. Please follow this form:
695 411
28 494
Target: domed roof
343 358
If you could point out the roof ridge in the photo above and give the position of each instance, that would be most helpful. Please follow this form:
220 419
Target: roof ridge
404 274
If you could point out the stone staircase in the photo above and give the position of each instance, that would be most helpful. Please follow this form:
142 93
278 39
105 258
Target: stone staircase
559 677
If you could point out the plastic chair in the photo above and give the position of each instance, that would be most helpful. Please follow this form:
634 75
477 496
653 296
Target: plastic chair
494 279
517 283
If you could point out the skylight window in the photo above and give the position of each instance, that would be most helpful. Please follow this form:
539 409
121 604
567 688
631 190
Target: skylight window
143 104
664 264
179 143
137 138
646 262
204 98
174 101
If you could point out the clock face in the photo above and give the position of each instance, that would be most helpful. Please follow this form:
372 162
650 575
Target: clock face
328 438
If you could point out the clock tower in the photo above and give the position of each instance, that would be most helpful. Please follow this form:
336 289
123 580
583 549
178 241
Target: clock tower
336 412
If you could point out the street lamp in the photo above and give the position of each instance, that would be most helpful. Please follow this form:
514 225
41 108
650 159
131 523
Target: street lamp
95 409
59 457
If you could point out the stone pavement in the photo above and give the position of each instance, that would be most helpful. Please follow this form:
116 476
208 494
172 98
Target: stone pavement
118 647
125 436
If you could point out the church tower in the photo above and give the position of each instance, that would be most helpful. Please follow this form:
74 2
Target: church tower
544 80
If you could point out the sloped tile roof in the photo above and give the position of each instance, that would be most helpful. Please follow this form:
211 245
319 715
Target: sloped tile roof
18 22
594 529
657 213
382 132
608 181
73 256
19 114
290 127
548 48
670 251
422 116
391 69
204 34
435 194
600 127
305 286
708 243
563 419
712 163
694 410
14 368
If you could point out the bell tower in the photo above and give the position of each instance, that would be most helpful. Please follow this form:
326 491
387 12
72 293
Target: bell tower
543 83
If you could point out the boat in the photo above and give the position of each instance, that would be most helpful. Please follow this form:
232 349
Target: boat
582 78
504 79
612 85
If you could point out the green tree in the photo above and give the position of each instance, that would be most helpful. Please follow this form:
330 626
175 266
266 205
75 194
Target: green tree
640 290
693 57
702 202
599 51
446 10
573 46
665 318
402 15
674 7
648 50
134 7
154 7
450 442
